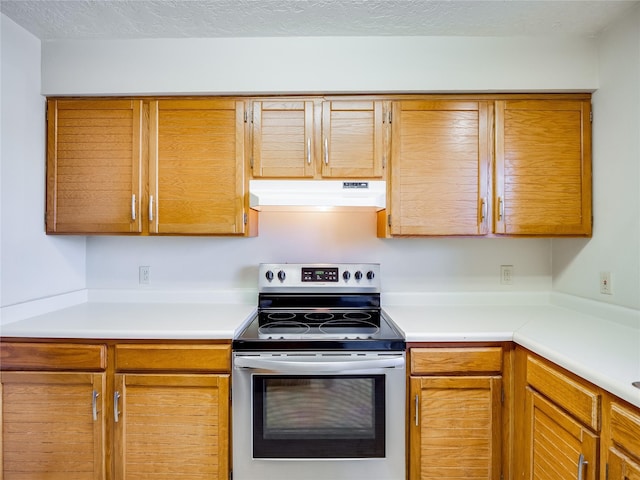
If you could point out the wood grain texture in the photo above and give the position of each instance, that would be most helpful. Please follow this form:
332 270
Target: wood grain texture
94 163
458 435
170 358
583 401
439 167
172 427
48 427
543 167
196 174
425 361
621 467
556 441
625 429
58 356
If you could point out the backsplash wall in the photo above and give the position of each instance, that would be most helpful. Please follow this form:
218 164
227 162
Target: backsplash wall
408 264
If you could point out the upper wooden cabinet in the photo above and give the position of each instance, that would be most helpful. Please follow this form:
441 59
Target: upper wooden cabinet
94 165
98 180
439 170
196 166
307 138
543 167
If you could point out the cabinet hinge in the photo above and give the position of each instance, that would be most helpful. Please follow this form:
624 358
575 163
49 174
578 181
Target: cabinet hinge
502 396
591 116
389 116
606 471
251 162
230 474
246 116
245 218
389 220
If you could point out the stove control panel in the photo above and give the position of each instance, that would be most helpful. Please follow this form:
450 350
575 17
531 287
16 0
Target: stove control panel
325 277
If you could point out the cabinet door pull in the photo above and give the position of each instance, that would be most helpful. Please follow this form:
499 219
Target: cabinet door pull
133 206
326 151
116 412
582 463
417 409
500 208
94 405
151 208
309 151
483 209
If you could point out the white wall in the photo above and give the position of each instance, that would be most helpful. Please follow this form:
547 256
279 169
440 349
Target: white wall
312 64
32 265
615 246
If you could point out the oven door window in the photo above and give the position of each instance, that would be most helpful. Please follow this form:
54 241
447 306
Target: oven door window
333 416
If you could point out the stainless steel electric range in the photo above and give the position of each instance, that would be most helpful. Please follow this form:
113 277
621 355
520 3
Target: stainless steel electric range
319 378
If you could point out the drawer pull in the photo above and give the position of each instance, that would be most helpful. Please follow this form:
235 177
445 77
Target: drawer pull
582 463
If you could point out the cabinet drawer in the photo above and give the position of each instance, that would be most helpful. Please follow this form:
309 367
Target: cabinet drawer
580 400
168 358
625 429
426 361
52 356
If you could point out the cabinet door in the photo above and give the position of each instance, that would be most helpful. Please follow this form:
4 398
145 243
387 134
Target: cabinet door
53 426
621 467
171 426
353 139
94 152
543 167
455 428
196 167
283 139
558 447
439 170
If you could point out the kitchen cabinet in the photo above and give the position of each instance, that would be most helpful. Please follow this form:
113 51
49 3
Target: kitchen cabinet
623 454
156 410
455 421
312 138
171 414
440 160
159 166
94 166
53 411
559 421
543 167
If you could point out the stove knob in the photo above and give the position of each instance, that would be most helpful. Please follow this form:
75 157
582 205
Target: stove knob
346 275
358 275
282 275
370 275
269 275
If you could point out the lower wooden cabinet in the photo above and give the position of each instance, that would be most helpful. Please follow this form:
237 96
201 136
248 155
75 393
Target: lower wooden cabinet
623 432
156 411
455 422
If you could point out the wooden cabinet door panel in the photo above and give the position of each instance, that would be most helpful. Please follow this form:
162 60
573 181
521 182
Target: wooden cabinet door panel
172 426
50 427
196 172
439 170
556 441
455 428
622 467
543 167
94 155
352 139
283 139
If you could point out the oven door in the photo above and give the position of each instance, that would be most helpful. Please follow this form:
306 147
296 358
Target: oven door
318 415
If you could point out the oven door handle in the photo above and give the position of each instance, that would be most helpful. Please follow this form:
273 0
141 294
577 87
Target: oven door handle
287 366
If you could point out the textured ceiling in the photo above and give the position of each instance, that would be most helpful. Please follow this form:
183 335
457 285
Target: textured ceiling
84 19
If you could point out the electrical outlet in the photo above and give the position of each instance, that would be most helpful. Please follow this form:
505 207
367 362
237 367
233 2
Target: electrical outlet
605 283
506 274
143 275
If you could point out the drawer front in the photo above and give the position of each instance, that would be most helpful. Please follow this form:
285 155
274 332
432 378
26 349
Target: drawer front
625 429
580 400
436 361
169 358
52 356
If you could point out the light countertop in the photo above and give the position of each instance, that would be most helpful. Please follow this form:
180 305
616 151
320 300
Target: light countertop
603 351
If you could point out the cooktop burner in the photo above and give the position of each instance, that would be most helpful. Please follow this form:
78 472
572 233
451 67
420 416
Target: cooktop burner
324 307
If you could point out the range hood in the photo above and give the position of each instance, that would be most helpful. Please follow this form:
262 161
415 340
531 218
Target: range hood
316 194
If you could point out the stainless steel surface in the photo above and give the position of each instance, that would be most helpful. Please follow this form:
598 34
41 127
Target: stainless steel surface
636 384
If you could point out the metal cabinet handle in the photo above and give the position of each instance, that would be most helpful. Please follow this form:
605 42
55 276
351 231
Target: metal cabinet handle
582 463
483 209
417 402
116 412
151 208
500 208
94 405
133 206
309 151
326 151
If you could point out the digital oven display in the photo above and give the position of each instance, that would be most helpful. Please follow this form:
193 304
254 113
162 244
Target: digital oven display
310 274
